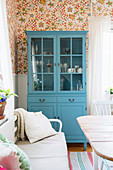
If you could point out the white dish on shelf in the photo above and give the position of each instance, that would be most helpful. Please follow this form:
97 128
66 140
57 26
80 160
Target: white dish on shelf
80 70
69 70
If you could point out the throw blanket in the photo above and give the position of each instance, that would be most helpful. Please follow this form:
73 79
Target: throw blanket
21 123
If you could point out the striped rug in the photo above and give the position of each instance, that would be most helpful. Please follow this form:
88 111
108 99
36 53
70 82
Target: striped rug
84 161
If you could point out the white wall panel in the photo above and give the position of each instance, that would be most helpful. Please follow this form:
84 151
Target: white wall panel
20 85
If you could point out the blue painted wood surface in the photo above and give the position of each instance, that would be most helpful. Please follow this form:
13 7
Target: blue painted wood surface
66 105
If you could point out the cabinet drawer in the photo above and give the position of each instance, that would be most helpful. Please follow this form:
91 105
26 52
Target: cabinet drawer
41 99
72 99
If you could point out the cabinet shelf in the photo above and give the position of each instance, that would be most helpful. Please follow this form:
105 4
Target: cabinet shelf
36 73
71 73
63 55
37 55
42 73
47 73
65 73
43 55
77 73
46 55
77 55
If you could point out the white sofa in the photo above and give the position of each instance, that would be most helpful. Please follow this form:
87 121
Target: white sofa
47 154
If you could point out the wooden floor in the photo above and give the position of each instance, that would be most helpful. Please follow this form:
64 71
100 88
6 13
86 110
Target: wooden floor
78 147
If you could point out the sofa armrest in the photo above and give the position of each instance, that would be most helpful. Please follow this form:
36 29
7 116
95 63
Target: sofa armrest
57 120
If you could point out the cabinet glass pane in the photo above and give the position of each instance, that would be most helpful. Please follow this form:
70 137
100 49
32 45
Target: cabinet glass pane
76 45
77 84
77 64
35 46
65 65
36 64
48 64
64 45
65 84
48 82
37 82
48 46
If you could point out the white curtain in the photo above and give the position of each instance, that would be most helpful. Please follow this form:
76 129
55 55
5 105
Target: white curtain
5 59
98 75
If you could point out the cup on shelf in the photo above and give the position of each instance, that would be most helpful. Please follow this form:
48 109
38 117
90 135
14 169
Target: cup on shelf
80 85
37 62
67 50
76 68
50 53
73 70
45 52
65 67
80 70
69 70
40 62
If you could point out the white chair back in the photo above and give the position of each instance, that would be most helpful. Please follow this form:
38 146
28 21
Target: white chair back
103 107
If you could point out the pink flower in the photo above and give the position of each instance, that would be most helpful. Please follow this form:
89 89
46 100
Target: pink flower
1 77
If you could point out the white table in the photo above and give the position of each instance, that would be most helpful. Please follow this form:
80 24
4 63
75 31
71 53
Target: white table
99 132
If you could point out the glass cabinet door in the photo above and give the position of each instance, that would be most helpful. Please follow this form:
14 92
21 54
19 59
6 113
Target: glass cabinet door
42 64
71 64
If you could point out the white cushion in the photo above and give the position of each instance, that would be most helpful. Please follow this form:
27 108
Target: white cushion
49 153
37 126
54 146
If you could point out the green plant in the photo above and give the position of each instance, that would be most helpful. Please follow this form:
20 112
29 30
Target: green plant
111 90
5 94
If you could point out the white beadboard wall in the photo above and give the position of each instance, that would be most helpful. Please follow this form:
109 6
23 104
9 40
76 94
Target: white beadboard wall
20 86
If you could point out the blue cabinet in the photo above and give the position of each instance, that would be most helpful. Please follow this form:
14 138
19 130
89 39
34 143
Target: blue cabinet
46 104
57 77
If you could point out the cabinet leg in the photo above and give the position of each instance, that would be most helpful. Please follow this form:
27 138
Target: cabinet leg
85 146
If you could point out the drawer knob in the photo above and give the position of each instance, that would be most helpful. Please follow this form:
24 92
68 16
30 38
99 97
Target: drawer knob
71 100
58 117
42 100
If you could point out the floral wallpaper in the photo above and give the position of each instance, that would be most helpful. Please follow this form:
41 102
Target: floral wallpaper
49 15
103 8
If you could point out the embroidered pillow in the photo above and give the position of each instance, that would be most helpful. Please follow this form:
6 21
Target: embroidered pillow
11 156
37 126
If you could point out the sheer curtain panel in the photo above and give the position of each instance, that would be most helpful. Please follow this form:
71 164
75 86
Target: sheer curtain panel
5 59
99 57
